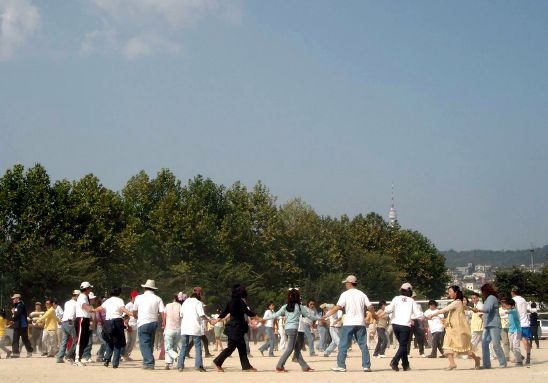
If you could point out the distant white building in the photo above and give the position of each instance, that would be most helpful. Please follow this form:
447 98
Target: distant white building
392 213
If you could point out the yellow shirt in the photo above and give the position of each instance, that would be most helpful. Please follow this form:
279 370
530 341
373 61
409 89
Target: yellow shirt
49 319
477 319
3 323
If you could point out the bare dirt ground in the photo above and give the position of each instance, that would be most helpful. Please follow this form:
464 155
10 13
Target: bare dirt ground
41 369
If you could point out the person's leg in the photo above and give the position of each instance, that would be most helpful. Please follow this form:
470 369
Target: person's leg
298 356
322 332
505 342
230 347
345 342
170 344
198 346
205 344
335 339
514 344
182 354
420 339
64 341
290 347
535 331
495 336
146 344
361 333
309 340
265 345
15 341
486 355
271 340
242 353
525 335
435 345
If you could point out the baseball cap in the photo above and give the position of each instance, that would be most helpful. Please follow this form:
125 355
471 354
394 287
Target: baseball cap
134 293
85 285
91 295
350 279
406 286
16 296
76 292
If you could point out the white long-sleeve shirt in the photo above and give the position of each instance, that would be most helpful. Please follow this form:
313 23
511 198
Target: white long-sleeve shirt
404 310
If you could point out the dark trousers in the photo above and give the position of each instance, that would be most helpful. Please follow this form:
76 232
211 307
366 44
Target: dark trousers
82 336
233 345
115 338
418 332
534 335
24 334
382 342
437 342
402 334
205 343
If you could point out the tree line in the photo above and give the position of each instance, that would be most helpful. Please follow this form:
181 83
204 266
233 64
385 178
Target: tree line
56 234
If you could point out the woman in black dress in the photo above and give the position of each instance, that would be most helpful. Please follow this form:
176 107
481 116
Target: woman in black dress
236 328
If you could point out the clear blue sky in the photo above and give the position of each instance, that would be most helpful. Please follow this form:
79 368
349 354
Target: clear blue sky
327 101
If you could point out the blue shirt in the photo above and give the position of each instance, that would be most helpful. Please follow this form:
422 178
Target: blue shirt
491 311
513 321
292 318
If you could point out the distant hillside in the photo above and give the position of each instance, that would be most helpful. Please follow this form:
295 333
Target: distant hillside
501 258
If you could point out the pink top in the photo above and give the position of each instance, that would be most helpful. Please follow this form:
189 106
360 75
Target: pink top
173 316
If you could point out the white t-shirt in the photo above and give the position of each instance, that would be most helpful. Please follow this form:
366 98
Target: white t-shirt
70 311
148 305
404 309
132 321
521 306
191 311
354 302
435 324
270 322
333 318
80 312
113 308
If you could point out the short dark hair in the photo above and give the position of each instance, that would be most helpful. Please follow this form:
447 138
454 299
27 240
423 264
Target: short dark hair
533 305
406 292
382 302
510 302
432 302
474 294
115 292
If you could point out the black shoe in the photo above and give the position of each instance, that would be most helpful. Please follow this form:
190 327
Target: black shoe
408 368
394 367
432 356
201 369
106 362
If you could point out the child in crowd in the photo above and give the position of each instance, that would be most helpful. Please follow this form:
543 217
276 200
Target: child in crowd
4 339
514 329
437 329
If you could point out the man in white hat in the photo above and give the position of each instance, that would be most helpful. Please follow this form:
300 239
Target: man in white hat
67 326
20 326
83 315
354 302
146 309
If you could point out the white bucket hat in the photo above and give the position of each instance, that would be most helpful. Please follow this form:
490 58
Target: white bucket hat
150 284
85 285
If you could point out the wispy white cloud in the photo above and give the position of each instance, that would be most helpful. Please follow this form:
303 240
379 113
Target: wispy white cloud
139 28
19 19
148 44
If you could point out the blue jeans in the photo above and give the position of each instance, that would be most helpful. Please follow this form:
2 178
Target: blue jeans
310 340
492 334
270 343
347 332
335 340
147 333
322 331
68 332
198 348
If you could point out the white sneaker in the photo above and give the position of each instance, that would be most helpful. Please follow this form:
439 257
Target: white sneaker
382 356
78 364
86 361
423 355
338 369
366 369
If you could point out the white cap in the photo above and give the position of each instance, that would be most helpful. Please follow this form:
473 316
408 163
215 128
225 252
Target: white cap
350 279
85 285
406 286
91 295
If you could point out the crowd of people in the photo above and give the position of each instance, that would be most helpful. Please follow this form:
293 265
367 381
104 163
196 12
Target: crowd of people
504 326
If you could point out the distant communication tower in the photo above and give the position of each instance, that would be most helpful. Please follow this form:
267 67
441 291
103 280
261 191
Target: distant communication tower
392 213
